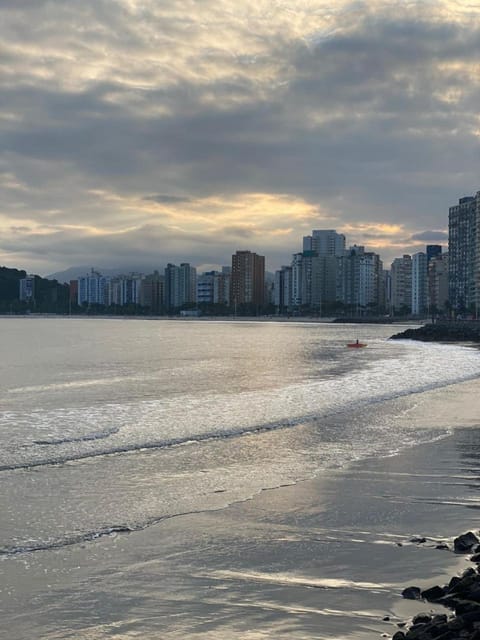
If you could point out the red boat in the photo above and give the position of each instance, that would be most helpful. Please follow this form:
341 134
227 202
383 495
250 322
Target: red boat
356 345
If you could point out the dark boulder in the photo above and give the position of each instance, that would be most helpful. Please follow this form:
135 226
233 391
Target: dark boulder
422 618
465 542
439 618
453 583
416 632
474 594
412 593
433 594
467 619
464 606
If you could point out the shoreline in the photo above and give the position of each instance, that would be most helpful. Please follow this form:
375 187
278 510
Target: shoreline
220 319
461 594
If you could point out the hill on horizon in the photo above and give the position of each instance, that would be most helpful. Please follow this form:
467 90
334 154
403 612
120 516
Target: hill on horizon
72 273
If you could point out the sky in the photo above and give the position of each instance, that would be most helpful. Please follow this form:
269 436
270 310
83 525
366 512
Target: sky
139 132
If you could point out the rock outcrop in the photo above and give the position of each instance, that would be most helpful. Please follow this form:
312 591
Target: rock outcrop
461 594
443 332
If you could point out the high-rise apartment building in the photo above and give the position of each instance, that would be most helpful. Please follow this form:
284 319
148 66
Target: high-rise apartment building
348 277
438 283
222 284
213 287
180 285
283 289
371 285
401 285
464 254
359 280
433 250
152 292
92 289
27 289
297 279
124 289
248 278
325 242
314 270
324 282
419 284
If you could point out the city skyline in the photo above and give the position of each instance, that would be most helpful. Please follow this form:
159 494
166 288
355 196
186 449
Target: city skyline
133 131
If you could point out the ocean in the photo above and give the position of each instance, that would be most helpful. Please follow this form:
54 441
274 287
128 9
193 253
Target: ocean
167 478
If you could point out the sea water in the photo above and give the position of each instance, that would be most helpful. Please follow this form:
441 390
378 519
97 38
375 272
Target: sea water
110 426
127 422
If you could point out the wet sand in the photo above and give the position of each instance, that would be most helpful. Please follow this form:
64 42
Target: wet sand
325 558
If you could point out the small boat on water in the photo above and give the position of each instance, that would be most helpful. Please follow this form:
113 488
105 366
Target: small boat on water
356 345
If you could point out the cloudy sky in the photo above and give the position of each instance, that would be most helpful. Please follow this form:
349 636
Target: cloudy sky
136 132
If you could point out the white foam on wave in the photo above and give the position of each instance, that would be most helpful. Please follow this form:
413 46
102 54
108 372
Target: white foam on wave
191 418
290 579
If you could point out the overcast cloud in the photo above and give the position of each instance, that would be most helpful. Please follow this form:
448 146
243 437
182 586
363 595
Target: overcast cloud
136 132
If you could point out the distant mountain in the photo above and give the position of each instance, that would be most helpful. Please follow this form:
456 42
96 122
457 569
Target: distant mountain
74 272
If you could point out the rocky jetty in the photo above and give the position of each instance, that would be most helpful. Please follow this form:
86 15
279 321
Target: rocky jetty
443 332
461 594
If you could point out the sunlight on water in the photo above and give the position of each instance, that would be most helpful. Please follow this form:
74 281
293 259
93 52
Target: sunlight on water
192 416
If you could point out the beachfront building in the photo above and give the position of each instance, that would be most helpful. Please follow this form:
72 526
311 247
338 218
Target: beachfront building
205 284
222 284
348 278
432 251
359 282
152 292
27 289
464 254
438 283
419 284
323 282
124 290
311 279
213 287
283 289
371 284
92 289
325 242
296 289
401 285
248 279
180 285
